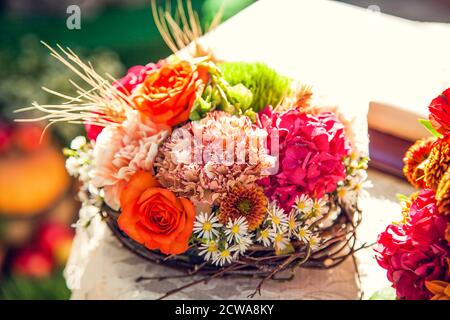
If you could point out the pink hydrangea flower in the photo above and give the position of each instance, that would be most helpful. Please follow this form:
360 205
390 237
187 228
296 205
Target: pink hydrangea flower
416 251
311 150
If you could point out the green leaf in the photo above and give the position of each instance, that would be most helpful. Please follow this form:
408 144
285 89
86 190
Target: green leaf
384 294
427 124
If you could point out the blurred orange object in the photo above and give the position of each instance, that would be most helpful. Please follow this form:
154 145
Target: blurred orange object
32 175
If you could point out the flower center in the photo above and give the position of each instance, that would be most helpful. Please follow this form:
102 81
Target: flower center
265 233
207 226
235 229
225 253
276 220
212 247
244 206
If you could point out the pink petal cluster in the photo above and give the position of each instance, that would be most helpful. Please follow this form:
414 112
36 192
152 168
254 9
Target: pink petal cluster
416 251
196 168
126 85
121 150
311 150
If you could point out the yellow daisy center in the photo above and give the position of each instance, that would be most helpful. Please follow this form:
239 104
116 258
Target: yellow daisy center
276 220
225 253
302 233
278 238
265 233
207 226
235 229
212 247
301 205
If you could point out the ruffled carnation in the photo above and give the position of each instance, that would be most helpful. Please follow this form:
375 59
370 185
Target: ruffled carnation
311 150
416 251
204 170
121 150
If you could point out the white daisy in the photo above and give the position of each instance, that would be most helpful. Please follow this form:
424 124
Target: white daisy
280 241
277 217
242 246
314 242
303 233
236 229
293 223
319 208
266 237
303 203
210 249
206 225
223 256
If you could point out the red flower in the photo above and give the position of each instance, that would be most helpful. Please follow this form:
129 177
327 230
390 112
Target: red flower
56 240
32 263
135 75
417 251
440 112
311 150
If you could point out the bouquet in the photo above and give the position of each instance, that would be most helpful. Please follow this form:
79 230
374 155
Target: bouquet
416 251
217 168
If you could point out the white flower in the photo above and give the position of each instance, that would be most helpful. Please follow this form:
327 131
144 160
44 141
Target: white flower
72 166
210 249
78 143
292 223
236 229
303 234
266 237
314 242
320 207
206 225
303 203
277 217
280 241
242 246
223 256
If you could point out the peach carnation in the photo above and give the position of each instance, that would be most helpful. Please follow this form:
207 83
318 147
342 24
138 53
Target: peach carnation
122 150
204 167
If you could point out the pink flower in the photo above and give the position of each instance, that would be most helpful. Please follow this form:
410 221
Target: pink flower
311 150
135 75
121 150
417 251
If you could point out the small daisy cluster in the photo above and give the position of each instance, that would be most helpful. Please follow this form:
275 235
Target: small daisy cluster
79 165
279 228
223 243
354 186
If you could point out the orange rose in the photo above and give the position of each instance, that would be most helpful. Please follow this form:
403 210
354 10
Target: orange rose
167 94
154 216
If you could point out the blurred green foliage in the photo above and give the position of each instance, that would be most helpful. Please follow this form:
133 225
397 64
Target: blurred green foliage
24 288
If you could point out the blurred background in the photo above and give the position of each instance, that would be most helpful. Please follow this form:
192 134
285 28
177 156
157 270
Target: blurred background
37 198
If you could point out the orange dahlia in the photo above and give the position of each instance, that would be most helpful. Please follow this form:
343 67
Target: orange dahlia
414 161
248 202
443 194
439 289
438 162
